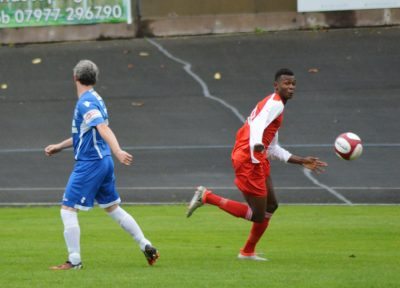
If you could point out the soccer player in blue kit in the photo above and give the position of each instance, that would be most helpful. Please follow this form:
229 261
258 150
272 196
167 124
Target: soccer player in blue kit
93 175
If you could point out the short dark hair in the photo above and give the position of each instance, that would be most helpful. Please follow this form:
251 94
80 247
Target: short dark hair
86 72
283 71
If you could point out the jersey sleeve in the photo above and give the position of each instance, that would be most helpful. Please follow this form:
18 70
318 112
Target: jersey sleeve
91 113
271 110
275 151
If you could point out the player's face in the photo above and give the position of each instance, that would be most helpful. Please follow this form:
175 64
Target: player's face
285 86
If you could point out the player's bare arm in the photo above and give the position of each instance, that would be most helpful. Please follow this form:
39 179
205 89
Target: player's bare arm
309 162
108 135
55 148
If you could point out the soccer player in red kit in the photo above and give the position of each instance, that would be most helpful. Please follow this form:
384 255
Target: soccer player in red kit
256 142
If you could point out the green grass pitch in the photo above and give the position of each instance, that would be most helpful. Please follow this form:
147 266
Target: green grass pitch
308 246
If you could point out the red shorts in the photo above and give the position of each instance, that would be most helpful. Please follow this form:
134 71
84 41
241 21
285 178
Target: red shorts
251 178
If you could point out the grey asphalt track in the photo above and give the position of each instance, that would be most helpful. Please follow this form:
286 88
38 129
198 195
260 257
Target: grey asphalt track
181 139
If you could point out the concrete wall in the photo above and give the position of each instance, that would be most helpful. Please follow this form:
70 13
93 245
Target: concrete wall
157 8
194 17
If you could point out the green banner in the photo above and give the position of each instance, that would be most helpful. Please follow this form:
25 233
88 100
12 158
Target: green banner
30 13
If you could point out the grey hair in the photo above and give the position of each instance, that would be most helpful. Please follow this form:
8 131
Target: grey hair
86 72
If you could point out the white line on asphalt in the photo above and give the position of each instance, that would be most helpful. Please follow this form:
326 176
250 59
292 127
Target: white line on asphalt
199 147
190 188
308 174
188 68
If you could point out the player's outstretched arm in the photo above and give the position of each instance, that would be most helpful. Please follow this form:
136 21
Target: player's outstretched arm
55 148
312 163
108 135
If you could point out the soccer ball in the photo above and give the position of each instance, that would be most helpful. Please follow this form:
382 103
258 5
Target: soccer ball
348 146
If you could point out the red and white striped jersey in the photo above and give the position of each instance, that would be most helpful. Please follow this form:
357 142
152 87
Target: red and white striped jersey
260 128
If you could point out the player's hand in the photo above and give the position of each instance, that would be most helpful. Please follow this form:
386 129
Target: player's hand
52 149
259 152
259 148
314 164
124 157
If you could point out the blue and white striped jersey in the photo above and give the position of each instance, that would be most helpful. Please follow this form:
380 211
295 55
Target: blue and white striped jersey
90 111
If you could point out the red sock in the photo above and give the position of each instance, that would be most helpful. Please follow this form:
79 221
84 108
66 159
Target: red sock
256 232
232 207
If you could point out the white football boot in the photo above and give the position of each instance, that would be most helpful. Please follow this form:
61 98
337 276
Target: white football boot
197 200
250 256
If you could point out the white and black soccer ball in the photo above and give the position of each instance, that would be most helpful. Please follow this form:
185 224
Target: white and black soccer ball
348 146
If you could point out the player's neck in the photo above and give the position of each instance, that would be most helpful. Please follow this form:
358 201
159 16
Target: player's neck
282 99
80 89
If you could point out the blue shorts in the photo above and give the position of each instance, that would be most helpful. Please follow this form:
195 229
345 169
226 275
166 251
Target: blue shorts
89 181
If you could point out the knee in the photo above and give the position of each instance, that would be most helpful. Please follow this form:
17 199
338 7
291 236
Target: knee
111 208
271 208
258 217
